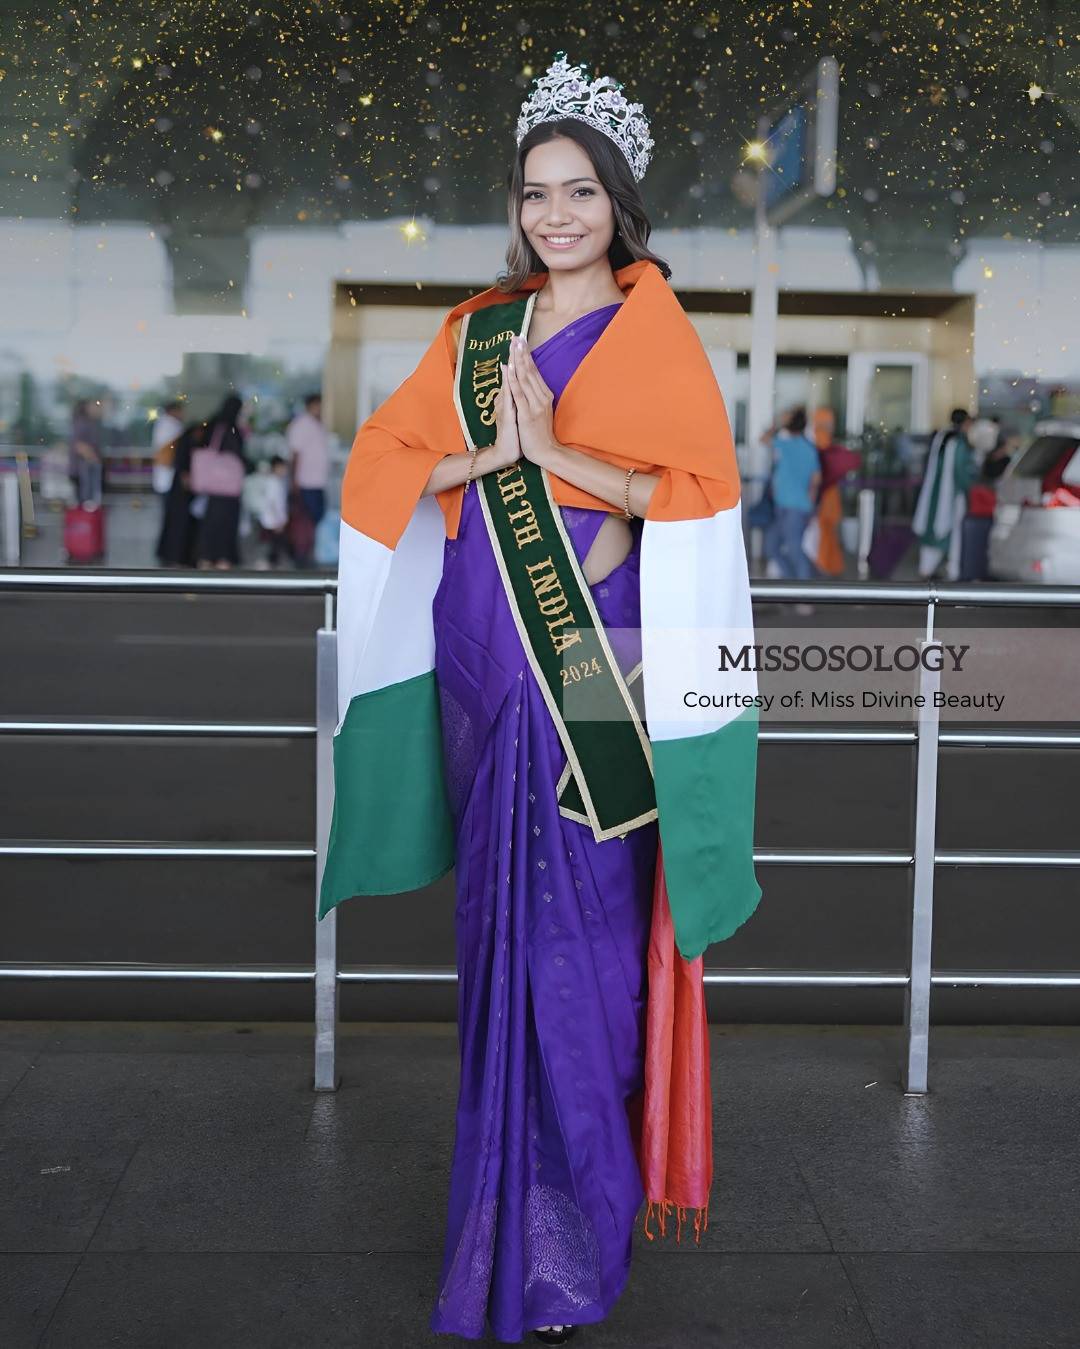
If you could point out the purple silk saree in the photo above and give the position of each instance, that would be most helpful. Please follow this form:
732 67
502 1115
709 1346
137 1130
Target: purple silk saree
552 936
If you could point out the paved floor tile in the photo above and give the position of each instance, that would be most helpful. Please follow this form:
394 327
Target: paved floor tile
992 1175
165 1037
946 1301
249 1302
263 1194
30 1289
218 1200
383 1301
397 1089
52 1195
23 1036
131 1097
744 1301
759 1203
14 1066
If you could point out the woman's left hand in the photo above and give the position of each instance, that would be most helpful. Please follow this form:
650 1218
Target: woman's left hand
533 401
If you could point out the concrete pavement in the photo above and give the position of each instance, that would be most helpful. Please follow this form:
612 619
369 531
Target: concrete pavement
166 1186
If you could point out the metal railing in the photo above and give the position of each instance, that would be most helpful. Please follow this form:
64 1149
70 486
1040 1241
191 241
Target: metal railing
16 505
921 859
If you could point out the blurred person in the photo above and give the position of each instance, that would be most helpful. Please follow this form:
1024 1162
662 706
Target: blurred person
836 462
983 434
179 526
907 451
795 481
168 427
997 461
568 949
942 504
221 481
910 455
85 458
273 510
981 505
309 445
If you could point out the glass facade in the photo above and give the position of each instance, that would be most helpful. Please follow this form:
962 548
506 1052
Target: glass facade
185 186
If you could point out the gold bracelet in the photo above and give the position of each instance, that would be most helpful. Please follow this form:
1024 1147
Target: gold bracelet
472 468
626 496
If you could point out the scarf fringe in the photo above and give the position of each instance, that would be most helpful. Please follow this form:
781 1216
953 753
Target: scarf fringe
674 1131
659 1209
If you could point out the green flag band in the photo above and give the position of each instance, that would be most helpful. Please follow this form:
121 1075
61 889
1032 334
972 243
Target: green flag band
609 783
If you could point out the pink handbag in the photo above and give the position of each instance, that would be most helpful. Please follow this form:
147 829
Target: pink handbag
215 474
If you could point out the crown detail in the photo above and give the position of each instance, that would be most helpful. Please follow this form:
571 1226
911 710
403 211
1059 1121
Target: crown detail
565 91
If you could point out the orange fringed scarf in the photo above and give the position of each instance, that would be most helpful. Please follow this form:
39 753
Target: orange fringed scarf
675 1149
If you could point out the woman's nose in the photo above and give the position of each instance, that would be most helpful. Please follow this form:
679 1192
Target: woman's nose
558 213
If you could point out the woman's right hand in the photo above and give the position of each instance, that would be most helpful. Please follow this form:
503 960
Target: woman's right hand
507 447
451 470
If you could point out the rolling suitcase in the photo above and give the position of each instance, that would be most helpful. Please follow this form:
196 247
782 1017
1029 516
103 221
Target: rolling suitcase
890 546
84 533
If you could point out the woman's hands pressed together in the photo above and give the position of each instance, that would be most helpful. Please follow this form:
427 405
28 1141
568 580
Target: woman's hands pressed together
525 428
533 403
507 447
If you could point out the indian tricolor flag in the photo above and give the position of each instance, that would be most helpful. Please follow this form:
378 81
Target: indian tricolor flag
702 720
391 830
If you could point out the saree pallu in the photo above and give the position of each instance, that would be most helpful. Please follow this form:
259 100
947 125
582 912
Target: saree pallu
552 937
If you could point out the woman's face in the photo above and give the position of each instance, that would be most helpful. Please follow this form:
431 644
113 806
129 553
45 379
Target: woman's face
566 214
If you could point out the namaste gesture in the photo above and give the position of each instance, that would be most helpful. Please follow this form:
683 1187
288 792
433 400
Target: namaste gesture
531 403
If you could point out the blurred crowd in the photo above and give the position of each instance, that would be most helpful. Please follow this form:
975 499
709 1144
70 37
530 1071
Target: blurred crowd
212 492
800 509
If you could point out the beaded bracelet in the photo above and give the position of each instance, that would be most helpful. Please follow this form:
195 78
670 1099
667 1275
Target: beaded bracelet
472 468
626 496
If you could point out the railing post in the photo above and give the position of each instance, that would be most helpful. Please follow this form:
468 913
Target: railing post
26 495
11 530
917 1001
326 962
866 530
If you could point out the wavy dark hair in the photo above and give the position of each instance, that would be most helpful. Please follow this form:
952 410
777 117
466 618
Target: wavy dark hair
229 412
632 225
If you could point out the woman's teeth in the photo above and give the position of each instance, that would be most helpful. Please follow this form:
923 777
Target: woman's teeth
561 239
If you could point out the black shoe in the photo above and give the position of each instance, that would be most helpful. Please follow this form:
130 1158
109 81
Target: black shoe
556 1336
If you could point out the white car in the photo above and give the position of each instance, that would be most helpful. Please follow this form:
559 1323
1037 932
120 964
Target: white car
1035 536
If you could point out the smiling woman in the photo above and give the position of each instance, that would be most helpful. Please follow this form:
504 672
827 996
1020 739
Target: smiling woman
605 202
513 518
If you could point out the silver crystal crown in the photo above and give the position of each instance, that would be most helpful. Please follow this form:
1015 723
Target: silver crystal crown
565 91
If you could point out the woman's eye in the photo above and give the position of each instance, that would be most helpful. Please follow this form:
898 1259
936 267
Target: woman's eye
587 191
532 196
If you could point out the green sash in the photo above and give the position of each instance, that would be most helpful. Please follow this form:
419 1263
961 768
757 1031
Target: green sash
608 782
